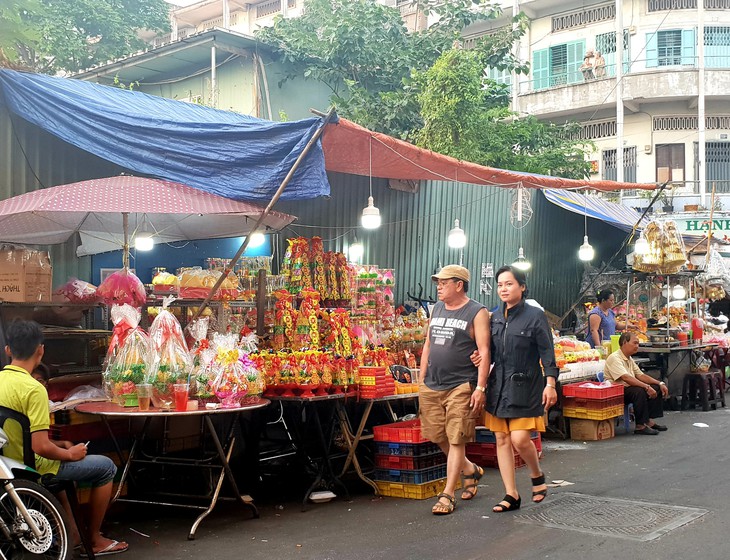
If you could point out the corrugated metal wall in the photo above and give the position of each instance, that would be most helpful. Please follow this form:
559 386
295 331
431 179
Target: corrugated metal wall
30 159
413 237
415 228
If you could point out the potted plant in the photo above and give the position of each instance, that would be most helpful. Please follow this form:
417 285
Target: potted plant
666 197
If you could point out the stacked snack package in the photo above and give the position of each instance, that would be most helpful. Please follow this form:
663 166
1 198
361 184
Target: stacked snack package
121 287
195 283
330 264
307 324
128 368
316 260
285 317
170 359
344 274
296 265
124 318
230 373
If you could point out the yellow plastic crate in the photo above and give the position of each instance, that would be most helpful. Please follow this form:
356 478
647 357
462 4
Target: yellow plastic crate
411 491
588 414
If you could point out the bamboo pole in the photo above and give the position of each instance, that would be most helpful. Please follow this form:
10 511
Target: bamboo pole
312 141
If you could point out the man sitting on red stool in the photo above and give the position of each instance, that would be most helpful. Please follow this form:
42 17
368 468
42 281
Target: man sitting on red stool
640 389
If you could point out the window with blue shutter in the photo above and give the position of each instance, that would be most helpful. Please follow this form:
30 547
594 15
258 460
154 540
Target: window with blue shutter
540 69
689 44
606 45
717 47
671 47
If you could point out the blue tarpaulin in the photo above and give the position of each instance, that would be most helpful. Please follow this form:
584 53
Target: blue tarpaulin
232 155
617 215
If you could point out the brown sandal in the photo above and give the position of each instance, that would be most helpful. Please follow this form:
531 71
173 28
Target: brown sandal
440 508
467 493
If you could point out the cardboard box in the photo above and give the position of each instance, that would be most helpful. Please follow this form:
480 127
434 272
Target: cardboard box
26 275
591 430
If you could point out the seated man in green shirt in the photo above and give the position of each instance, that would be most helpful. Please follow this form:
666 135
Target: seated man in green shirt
61 459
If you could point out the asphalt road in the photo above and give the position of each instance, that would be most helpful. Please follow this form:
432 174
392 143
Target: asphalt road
685 466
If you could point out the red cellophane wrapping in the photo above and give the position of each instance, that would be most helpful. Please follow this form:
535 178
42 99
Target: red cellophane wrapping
122 286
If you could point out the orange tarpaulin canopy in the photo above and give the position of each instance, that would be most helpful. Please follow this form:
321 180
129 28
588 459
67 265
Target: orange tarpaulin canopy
347 150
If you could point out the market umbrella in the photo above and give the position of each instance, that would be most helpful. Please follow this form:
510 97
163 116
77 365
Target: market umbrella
97 209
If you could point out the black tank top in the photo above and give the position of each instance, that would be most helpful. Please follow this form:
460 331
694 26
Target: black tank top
451 345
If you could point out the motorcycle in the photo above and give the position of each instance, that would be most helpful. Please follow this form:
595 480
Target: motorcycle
32 522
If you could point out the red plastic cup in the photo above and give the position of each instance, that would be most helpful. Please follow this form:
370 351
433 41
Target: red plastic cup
181 397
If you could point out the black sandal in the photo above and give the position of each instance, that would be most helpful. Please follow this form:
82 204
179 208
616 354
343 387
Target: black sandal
471 489
539 481
513 504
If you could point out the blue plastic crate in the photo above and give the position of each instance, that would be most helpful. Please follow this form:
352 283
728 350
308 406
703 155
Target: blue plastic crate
411 477
407 449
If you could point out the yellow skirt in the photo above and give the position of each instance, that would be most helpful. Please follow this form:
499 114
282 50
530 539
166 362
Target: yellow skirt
508 425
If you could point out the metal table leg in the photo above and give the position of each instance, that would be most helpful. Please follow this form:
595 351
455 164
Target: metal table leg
353 440
325 468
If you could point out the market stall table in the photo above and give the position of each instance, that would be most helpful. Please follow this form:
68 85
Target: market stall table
319 407
111 411
353 439
673 362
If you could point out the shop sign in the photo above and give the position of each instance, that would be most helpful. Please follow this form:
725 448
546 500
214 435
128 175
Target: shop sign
699 225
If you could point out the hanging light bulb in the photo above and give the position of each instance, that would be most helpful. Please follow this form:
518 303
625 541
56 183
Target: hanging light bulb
257 239
678 292
356 251
370 215
457 237
144 242
641 247
522 263
586 251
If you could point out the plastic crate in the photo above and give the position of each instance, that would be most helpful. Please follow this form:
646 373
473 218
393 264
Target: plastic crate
420 476
579 390
400 432
406 449
483 435
485 457
593 404
409 463
411 491
587 414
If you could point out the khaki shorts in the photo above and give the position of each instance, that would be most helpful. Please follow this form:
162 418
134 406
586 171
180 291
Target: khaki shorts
508 425
446 415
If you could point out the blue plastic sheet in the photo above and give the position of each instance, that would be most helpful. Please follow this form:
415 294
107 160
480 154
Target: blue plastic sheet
225 153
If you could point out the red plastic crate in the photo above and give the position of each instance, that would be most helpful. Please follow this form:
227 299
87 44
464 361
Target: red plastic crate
400 432
593 404
580 390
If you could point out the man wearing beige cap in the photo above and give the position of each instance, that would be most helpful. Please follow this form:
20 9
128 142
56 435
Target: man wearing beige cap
451 393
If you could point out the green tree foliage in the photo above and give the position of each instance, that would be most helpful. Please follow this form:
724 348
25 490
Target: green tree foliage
71 35
422 86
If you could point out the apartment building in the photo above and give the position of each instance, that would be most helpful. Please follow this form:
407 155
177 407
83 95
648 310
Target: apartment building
663 110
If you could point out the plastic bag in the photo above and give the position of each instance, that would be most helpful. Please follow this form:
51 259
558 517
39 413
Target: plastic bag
170 360
125 318
230 382
78 291
120 287
128 368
